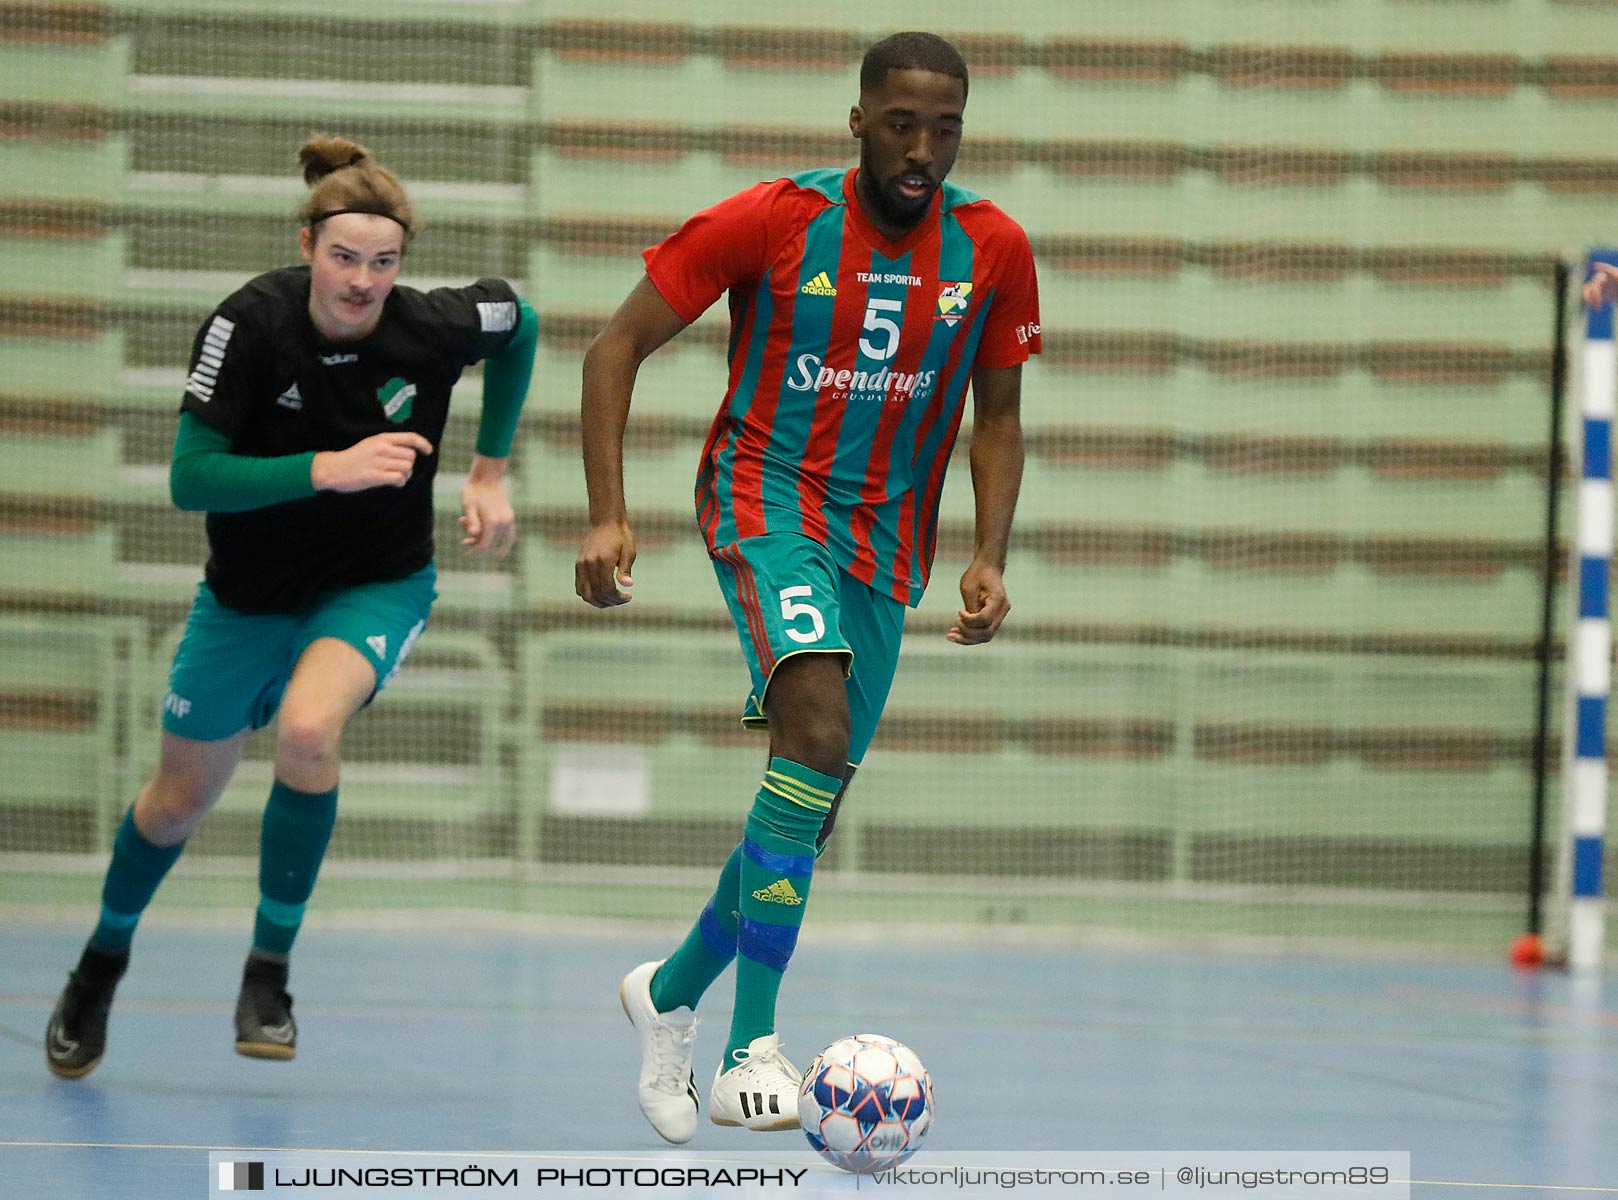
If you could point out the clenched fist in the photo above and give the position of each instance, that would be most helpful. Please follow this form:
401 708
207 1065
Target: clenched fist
381 460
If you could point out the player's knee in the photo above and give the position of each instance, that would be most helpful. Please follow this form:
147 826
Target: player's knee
173 801
808 711
829 730
817 738
306 739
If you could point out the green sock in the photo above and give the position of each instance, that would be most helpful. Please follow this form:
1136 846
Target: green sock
136 869
707 949
297 826
777 861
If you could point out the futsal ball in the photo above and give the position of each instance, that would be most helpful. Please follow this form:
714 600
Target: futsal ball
866 1103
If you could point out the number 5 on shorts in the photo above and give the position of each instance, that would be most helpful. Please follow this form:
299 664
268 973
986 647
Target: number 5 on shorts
791 612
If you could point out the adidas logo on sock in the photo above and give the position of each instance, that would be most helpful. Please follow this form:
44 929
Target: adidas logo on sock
779 892
820 285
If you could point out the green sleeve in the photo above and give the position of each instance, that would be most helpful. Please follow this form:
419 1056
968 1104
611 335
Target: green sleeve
505 385
206 477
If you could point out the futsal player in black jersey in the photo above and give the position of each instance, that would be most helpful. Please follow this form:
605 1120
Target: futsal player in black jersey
315 404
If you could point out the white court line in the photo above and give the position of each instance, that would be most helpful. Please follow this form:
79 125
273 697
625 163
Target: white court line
1516 1187
662 1157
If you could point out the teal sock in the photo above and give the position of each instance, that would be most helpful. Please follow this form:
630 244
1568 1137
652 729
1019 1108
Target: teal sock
297 827
136 869
707 949
778 859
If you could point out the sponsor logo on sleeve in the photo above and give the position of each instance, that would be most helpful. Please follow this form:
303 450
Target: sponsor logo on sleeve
497 316
205 374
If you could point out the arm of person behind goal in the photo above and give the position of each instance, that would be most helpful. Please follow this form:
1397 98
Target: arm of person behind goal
642 323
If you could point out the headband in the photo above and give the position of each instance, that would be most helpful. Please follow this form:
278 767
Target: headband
337 212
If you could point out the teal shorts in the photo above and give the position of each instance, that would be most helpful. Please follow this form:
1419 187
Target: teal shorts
231 667
788 596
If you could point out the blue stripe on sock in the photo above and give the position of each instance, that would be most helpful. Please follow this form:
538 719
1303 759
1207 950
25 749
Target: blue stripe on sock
714 935
780 864
279 912
118 920
770 945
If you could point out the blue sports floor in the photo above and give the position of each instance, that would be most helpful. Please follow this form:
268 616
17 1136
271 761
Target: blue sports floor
1499 1084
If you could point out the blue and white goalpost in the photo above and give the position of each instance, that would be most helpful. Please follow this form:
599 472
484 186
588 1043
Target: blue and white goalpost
1584 805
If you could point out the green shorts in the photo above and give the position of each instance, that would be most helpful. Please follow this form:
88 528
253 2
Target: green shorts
788 596
231 667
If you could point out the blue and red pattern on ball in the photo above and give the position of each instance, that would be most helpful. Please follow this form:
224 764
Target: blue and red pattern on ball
866 1103
834 1085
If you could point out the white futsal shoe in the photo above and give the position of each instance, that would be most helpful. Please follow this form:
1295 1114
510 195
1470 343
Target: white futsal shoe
667 1092
760 1092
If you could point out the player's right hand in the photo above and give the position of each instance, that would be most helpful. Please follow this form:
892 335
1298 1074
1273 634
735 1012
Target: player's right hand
1602 285
381 460
601 576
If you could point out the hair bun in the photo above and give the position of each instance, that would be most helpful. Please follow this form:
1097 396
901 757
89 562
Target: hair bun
321 155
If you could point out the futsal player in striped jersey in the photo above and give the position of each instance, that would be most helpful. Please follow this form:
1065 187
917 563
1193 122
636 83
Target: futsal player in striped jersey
308 433
862 304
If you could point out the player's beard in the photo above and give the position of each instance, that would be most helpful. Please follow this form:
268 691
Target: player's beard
904 211
893 208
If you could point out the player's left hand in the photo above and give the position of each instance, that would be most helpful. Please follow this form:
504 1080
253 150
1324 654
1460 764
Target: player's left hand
487 518
983 594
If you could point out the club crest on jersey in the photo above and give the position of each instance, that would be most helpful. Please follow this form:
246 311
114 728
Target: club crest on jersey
396 396
952 298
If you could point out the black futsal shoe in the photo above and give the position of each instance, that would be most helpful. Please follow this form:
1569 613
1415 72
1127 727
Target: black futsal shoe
264 1024
76 1034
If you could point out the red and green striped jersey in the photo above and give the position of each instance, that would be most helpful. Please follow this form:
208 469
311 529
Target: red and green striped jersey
850 357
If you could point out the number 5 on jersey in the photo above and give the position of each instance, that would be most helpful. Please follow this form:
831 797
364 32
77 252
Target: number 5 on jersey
791 611
876 323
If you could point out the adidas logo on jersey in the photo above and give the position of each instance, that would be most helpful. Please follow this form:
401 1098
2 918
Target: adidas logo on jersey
291 398
820 285
379 644
779 892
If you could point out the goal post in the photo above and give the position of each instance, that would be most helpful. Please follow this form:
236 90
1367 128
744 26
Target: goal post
1590 648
